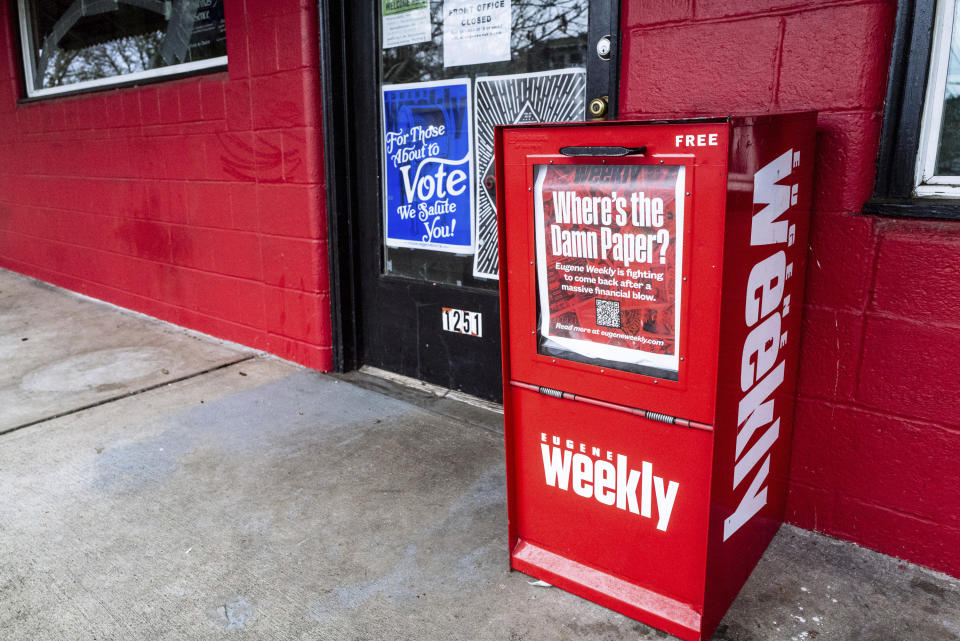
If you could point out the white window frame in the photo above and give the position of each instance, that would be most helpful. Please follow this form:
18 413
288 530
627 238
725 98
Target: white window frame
27 46
928 184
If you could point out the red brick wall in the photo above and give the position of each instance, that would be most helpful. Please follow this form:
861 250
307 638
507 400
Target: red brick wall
199 201
877 441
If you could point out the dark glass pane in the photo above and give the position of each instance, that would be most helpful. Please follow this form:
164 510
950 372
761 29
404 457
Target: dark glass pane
545 35
948 154
81 40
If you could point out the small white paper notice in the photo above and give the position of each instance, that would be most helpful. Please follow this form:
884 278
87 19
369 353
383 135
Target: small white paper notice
475 32
406 22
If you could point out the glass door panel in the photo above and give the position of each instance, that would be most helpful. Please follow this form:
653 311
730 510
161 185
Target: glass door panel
450 70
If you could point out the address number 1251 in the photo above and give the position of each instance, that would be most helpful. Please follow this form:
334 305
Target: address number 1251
462 322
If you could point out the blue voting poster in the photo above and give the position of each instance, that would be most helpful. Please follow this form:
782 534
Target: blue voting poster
428 164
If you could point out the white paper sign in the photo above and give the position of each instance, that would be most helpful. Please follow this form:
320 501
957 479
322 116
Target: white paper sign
475 32
406 22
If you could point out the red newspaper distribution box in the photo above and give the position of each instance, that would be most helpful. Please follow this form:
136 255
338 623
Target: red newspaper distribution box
651 289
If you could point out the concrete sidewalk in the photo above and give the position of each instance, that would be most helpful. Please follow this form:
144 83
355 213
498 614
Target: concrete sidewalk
210 492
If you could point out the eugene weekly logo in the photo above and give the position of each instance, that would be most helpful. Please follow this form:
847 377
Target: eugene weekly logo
761 368
607 478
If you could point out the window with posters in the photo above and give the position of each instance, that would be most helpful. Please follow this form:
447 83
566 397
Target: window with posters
451 70
609 264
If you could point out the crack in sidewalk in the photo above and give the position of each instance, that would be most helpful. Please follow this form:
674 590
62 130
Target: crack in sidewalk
118 397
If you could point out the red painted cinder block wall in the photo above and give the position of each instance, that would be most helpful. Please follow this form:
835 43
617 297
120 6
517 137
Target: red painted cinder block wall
199 201
877 439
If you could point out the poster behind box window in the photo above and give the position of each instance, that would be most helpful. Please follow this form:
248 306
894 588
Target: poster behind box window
609 248
428 166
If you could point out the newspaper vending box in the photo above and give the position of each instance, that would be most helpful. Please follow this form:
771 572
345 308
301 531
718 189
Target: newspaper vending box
651 289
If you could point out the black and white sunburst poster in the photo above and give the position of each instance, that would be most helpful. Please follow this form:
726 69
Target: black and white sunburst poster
548 96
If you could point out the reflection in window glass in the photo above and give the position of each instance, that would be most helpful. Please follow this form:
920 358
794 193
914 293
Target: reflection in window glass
544 35
948 155
72 44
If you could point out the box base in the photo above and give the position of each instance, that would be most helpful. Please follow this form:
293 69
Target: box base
644 605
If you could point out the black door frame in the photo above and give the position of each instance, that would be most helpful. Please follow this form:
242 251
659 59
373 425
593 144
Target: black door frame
338 125
338 100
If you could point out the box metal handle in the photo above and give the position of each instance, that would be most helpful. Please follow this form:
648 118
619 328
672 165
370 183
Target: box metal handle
604 151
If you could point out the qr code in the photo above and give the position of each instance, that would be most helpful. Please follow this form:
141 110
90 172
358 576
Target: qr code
608 313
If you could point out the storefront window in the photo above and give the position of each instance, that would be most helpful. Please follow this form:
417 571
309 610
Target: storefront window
948 153
918 161
70 45
939 166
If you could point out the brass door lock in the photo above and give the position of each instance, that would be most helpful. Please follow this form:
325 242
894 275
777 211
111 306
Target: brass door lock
598 107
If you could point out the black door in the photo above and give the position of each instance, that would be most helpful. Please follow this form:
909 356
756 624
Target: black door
424 81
